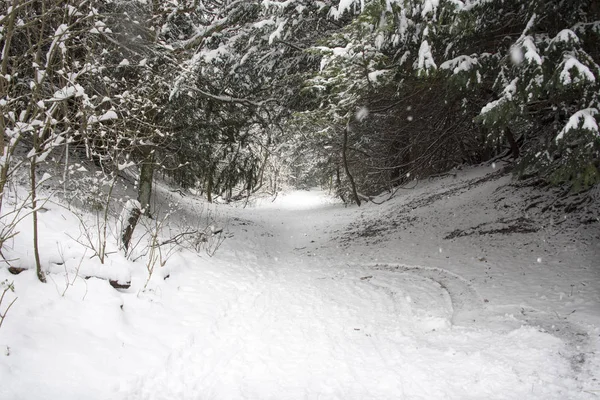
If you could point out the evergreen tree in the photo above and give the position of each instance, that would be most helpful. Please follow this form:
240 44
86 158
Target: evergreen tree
427 73
237 89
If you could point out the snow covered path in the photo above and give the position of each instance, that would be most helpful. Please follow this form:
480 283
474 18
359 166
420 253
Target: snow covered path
307 299
311 321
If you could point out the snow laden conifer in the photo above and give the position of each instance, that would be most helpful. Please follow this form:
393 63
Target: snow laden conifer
218 103
450 82
241 68
546 88
386 58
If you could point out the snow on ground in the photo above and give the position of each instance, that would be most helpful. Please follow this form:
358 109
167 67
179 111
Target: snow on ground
295 200
448 291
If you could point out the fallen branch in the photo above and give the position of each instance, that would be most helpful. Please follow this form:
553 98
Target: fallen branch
175 239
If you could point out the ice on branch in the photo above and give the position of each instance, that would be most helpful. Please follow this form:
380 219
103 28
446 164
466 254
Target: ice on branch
425 61
581 72
525 50
584 120
107 116
565 36
507 95
460 64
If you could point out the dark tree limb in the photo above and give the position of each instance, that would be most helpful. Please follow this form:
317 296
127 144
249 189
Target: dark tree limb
345 161
514 147
132 220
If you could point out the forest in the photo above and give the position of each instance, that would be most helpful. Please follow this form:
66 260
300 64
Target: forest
235 97
149 128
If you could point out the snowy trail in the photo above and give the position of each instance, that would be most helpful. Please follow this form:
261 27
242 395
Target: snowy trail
308 320
306 299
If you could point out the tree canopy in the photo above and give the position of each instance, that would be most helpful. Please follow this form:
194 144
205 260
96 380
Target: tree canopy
234 96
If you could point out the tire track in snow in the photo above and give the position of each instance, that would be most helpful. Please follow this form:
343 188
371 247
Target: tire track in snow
466 302
469 310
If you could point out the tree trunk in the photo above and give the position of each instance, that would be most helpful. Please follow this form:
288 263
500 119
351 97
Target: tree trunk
36 250
3 173
514 147
144 197
146 174
338 183
262 169
209 187
345 161
132 220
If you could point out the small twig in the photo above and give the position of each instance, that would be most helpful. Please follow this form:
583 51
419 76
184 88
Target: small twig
175 239
3 315
178 191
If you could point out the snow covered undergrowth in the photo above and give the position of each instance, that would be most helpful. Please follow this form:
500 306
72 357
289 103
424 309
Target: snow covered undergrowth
444 292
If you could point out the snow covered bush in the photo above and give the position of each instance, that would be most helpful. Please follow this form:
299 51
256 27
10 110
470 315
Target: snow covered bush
578 147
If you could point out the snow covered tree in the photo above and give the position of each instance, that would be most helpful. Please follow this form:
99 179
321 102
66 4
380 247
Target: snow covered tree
377 92
379 77
133 86
88 74
426 73
242 71
545 85
43 69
